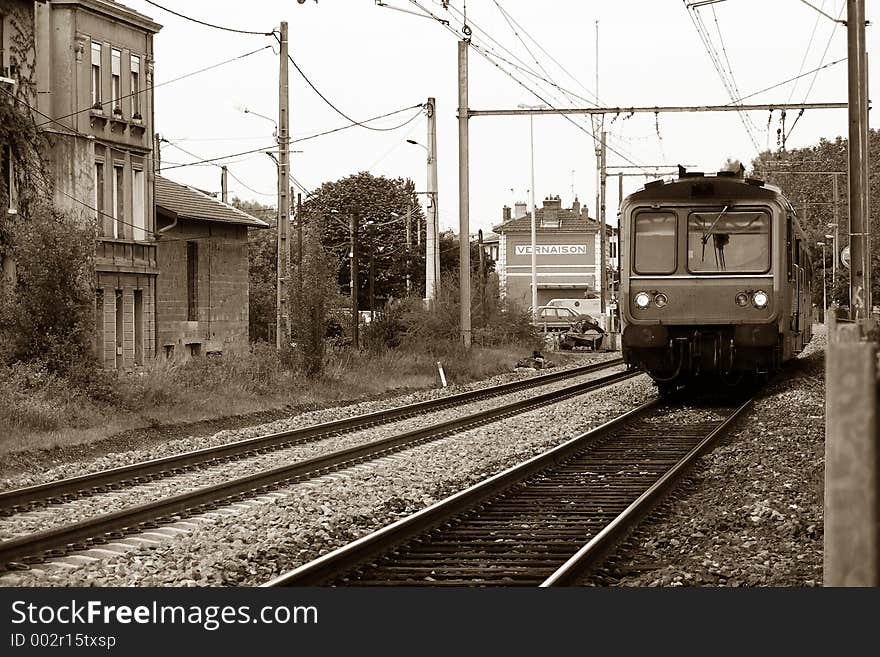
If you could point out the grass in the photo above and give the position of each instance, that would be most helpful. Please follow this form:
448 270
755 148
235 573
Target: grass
40 410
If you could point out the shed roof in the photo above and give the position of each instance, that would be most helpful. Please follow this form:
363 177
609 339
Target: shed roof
184 202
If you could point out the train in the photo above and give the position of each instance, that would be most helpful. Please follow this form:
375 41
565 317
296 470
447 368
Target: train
715 278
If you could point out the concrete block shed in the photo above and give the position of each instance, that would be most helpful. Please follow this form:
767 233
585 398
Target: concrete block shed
202 288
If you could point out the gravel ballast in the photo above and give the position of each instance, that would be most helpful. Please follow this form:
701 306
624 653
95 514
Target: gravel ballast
57 515
261 542
38 470
751 513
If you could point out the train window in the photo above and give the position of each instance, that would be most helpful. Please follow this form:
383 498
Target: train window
654 242
725 241
788 259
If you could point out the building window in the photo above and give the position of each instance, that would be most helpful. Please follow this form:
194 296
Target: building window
139 327
99 194
118 203
138 217
96 75
99 326
8 195
115 88
120 330
135 85
192 281
3 72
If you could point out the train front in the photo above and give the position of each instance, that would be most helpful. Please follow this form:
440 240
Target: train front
701 289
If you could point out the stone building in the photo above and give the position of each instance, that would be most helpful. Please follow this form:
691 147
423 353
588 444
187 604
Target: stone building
568 250
94 62
202 300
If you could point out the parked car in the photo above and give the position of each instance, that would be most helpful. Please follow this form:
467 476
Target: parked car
553 318
590 307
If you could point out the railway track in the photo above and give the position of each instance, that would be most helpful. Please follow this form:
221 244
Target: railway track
58 492
544 522
95 531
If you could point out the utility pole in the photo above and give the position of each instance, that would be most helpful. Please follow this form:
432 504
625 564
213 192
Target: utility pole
534 260
836 249
859 229
408 243
353 228
299 247
432 226
372 248
603 240
464 242
482 273
282 312
224 184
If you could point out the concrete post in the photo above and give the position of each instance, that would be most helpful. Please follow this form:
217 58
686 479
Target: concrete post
464 241
852 512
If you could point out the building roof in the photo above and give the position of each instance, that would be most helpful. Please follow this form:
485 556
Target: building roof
116 11
567 224
183 202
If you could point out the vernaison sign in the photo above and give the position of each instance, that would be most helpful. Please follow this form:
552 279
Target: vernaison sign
551 249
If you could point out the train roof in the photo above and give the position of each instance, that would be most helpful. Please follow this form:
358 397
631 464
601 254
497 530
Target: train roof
696 185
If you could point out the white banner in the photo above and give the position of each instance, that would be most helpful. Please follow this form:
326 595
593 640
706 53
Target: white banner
551 249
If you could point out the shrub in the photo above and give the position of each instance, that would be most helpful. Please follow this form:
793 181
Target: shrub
47 313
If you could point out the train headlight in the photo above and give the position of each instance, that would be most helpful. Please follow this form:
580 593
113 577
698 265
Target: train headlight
760 299
642 299
742 299
660 299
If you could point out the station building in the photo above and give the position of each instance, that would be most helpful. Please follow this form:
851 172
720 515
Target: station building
568 248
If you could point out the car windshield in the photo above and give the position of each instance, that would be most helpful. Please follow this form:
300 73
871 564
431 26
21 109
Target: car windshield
725 241
654 243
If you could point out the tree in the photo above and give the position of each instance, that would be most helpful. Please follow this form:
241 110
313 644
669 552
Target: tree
811 195
731 164
449 255
313 288
262 256
374 201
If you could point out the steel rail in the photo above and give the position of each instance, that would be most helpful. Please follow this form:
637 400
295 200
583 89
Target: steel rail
102 529
598 547
63 490
363 549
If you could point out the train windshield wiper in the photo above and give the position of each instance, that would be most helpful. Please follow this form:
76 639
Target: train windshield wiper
708 233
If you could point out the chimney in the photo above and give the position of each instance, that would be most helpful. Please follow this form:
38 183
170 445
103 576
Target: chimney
519 210
505 214
576 207
224 185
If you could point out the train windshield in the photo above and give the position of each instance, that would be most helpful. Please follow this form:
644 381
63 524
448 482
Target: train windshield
654 242
728 241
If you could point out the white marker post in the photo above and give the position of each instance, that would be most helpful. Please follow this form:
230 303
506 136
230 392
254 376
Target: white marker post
442 374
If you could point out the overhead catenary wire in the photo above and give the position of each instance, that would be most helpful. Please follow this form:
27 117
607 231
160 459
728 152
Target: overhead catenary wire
489 53
816 73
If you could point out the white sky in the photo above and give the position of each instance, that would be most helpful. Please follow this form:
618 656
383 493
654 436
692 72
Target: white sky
370 60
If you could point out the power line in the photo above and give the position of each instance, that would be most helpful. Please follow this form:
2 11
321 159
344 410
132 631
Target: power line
146 89
218 158
806 53
784 82
327 100
241 182
816 75
216 27
375 118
